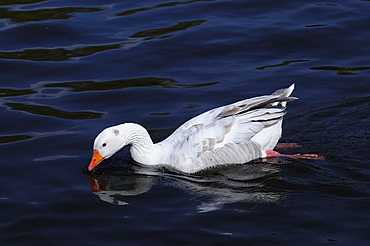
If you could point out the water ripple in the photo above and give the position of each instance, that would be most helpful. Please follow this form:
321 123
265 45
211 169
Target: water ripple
57 54
14 138
180 26
11 2
342 70
81 86
284 63
50 111
45 14
32 135
10 92
162 5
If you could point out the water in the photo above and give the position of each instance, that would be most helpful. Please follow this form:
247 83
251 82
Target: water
71 68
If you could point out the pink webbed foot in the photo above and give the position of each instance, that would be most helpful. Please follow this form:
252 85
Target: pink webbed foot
272 153
308 156
287 146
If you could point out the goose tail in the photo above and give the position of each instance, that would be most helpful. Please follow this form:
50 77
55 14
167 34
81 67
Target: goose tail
285 93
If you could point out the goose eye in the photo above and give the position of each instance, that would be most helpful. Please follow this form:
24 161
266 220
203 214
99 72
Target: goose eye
104 144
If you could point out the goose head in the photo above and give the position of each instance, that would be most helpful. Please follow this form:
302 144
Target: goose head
106 144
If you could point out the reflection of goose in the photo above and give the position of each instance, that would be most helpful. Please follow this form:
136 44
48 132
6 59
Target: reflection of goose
216 188
251 183
233 134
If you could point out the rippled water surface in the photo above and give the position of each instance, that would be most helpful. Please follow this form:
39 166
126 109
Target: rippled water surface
68 69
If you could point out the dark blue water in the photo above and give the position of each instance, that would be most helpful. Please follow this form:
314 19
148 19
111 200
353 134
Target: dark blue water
68 69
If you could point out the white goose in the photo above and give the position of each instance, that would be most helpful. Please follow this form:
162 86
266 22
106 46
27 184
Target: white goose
233 134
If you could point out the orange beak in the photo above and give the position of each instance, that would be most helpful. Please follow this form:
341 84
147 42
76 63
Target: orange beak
95 160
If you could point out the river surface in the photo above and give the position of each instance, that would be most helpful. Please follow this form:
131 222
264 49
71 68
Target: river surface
69 69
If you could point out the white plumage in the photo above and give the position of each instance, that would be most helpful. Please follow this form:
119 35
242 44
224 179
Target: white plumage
232 134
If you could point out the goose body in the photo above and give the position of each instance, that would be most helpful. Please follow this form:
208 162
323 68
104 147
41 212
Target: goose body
232 134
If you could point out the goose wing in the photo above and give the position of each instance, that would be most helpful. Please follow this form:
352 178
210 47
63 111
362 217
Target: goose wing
223 135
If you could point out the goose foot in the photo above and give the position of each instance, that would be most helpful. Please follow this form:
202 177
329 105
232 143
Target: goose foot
287 146
272 153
